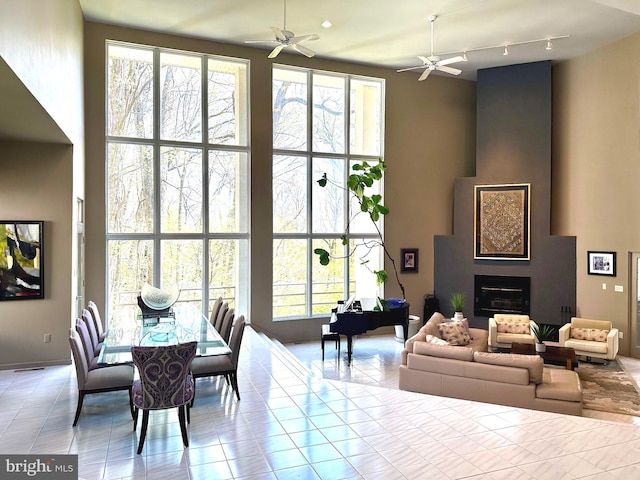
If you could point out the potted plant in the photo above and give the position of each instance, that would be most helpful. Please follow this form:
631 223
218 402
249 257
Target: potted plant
542 334
457 304
364 177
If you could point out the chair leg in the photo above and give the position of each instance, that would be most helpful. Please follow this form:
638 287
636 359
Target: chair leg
194 392
183 426
131 402
79 407
135 418
143 433
322 345
188 407
234 383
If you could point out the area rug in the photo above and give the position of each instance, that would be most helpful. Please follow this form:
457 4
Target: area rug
608 388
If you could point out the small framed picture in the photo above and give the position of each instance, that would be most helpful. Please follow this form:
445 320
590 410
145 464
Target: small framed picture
409 257
601 263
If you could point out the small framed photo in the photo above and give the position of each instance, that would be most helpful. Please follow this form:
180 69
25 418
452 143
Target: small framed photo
601 263
409 257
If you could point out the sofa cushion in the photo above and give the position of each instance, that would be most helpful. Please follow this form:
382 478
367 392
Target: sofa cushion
431 327
586 346
454 333
560 384
533 363
590 334
443 351
513 327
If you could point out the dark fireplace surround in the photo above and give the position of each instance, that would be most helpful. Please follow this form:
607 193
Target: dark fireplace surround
513 146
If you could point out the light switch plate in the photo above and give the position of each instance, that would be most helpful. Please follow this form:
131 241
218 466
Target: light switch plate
604 286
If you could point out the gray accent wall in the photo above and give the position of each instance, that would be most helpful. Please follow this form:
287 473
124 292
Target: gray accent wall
513 145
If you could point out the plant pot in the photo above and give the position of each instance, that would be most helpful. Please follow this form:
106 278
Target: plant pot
458 316
541 347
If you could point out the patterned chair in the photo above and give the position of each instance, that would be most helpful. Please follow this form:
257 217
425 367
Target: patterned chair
226 365
108 379
164 383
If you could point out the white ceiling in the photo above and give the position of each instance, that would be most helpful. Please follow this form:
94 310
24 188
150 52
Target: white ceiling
391 33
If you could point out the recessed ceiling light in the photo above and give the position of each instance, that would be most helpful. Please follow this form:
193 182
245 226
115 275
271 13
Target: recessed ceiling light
326 24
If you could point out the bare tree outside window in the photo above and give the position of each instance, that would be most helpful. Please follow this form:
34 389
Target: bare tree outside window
341 111
177 203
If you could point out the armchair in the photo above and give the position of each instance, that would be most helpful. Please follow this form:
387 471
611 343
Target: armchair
504 329
590 338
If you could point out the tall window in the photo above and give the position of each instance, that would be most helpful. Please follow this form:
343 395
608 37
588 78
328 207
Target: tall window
177 177
322 123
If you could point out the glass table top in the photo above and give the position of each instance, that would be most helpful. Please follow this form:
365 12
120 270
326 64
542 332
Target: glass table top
186 325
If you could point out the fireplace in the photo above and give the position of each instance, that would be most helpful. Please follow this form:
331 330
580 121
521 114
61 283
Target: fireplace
501 294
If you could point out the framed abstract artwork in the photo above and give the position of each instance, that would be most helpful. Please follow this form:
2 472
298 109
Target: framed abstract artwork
501 222
21 260
601 263
409 257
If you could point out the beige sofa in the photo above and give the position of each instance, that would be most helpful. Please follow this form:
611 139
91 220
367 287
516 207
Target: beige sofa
470 373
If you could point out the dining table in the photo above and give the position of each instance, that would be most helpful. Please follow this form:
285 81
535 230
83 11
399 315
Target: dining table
179 326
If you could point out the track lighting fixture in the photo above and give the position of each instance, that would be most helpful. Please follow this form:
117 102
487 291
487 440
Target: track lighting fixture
464 57
549 45
506 50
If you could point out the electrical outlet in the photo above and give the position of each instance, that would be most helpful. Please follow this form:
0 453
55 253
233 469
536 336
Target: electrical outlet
47 338
620 334
619 288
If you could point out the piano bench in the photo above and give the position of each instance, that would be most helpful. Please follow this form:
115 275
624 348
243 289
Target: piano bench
327 334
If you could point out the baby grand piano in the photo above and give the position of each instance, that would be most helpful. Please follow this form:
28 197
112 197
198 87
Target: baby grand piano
357 322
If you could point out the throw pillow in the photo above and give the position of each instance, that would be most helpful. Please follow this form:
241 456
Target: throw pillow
435 340
589 334
514 327
454 333
464 322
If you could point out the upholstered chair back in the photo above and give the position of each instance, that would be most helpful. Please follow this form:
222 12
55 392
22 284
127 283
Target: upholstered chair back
220 317
79 358
164 375
91 327
97 319
227 322
236 340
85 338
588 323
214 311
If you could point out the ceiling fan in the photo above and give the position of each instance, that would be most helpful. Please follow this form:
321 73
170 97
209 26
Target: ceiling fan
434 62
287 39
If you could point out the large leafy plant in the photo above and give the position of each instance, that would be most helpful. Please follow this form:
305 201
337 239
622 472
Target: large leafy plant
364 176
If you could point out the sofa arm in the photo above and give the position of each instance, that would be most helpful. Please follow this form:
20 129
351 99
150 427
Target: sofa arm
493 332
564 333
612 344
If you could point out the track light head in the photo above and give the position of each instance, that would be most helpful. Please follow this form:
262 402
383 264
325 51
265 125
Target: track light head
506 50
549 45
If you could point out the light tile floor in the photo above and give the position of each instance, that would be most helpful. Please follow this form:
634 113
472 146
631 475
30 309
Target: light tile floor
294 424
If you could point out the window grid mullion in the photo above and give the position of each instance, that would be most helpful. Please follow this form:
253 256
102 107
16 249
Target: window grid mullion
156 168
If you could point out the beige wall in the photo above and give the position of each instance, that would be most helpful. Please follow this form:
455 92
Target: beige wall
596 170
430 130
41 49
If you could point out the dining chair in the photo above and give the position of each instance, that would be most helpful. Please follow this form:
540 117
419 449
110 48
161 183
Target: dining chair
164 383
87 318
227 365
97 319
214 311
227 322
108 379
220 317
87 344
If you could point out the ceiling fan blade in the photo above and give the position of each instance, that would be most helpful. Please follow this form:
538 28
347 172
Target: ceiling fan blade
274 53
424 75
305 38
448 61
410 68
279 33
449 70
261 41
424 59
303 50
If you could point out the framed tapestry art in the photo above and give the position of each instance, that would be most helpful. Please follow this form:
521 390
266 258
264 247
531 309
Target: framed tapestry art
601 263
501 222
21 273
